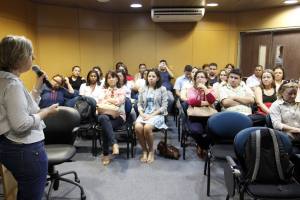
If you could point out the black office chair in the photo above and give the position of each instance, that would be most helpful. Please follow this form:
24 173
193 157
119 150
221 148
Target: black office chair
60 134
237 175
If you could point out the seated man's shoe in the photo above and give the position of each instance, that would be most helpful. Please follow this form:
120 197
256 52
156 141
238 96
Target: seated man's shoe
105 160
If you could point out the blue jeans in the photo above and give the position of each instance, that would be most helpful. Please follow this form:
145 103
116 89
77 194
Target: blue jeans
108 124
29 165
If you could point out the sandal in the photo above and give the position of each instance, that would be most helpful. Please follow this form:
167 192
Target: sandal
115 149
150 158
144 157
105 160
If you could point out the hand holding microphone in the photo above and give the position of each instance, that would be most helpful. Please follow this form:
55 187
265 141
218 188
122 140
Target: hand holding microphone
40 73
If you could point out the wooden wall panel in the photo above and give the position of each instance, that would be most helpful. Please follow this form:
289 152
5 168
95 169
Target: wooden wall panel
58 50
96 48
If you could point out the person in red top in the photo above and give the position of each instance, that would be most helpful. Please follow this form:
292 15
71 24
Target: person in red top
200 95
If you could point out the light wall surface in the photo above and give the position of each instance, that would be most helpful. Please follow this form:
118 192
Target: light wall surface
64 37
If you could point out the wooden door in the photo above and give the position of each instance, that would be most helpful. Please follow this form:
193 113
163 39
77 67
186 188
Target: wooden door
250 45
290 41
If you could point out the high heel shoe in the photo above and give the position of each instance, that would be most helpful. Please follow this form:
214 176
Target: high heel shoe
150 158
115 149
144 157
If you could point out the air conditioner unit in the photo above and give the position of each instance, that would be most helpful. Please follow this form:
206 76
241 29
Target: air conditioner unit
177 14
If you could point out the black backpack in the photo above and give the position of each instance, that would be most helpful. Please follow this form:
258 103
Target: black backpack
266 158
84 108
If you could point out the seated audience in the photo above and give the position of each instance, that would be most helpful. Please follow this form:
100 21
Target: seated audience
265 95
181 80
122 66
58 93
166 76
142 68
229 67
279 76
111 113
197 96
285 111
152 107
124 83
91 88
222 80
254 80
205 67
75 79
100 73
235 96
187 85
213 74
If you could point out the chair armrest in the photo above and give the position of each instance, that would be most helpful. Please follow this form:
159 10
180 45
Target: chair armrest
75 129
234 167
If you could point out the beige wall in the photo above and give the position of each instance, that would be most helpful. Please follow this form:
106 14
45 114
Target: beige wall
64 37
285 17
17 17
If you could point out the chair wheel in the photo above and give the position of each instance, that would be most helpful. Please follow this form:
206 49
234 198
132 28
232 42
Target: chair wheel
56 184
77 180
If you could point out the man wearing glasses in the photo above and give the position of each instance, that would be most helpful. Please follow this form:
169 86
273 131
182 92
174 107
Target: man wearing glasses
235 96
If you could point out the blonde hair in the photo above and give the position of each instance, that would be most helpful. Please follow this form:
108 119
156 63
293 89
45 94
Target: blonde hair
285 85
14 50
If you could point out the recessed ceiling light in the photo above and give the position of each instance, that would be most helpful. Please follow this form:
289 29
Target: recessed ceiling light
290 1
212 4
103 1
136 5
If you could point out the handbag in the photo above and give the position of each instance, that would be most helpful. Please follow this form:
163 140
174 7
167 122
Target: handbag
203 111
168 151
108 109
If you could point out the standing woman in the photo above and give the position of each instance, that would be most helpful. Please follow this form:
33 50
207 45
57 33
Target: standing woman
21 126
152 107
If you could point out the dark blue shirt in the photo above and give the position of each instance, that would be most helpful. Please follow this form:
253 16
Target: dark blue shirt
50 97
166 80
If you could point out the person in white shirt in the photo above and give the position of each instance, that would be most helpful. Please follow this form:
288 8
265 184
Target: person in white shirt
255 79
235 96
92 86
21 120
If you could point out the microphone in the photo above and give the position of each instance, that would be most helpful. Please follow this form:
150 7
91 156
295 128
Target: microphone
39 73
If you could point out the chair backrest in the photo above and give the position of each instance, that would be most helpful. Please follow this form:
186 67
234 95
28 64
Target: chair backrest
257 149
225 125
60 126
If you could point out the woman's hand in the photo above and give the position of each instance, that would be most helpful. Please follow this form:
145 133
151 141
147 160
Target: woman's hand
48 111
201 86
40 81
145 116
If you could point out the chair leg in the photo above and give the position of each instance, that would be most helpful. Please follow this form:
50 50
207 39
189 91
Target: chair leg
227 197
71 172
208 175
183 145
178 130
82 193
205 165
166 136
